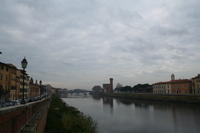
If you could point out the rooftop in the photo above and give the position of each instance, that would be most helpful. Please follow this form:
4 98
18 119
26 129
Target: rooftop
174 81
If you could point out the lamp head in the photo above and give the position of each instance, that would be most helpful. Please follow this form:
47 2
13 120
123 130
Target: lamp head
24 63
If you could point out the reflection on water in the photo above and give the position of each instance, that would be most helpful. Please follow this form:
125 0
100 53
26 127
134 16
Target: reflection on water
108 101
124 116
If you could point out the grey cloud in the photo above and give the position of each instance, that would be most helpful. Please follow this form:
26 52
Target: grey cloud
170 31
88 41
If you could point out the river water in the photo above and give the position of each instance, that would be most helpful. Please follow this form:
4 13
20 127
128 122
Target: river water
123 116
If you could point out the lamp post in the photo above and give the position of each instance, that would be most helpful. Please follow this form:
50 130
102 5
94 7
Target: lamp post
40 84
24 65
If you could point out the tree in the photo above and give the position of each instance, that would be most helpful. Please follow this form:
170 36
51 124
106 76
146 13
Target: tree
142 88
119 85
127 88
124 89
97 89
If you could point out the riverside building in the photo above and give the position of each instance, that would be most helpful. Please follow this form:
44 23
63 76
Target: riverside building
196 85
35 88
11 84
26 84
173 87
108 88
8 82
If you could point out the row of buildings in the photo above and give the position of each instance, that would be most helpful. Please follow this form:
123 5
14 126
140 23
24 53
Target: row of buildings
178 87
11 84
171 87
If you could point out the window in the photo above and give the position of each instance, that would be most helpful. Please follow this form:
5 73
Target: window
2 67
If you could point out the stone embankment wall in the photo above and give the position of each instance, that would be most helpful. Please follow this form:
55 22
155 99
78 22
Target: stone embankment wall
186 99
28 118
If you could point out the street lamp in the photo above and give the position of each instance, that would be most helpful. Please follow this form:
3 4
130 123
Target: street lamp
24 65
40 84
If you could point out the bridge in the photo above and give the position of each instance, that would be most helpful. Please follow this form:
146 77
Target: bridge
75 92
78 91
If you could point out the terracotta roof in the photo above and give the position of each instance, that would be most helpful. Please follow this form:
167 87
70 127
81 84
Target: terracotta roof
174 81
160 83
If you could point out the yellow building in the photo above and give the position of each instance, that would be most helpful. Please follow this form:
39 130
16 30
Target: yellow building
34 88
196 85
175 87
20 84
12 81
8 82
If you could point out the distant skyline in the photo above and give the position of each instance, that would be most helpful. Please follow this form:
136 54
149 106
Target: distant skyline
82 43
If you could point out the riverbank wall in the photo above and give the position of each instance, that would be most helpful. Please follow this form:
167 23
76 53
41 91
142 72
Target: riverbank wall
27 118
155 98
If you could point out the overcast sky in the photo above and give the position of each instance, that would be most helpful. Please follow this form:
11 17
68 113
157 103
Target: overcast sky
81 43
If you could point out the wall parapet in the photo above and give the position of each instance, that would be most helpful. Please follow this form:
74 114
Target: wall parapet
30 117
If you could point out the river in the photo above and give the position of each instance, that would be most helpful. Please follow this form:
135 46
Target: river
123 116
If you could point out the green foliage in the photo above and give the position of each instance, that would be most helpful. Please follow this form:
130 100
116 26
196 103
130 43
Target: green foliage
140 88
66 119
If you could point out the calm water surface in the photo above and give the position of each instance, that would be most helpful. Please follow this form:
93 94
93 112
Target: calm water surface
122 116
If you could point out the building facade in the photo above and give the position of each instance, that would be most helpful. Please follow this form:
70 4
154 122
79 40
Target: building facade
12 82
173 87
34 88
108 88
8 82
20 74
181 87
161 88
196 85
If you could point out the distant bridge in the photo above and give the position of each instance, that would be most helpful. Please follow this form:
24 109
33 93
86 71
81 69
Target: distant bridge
79 91
73 92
